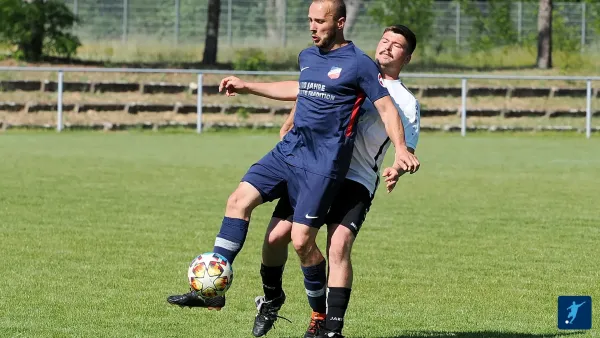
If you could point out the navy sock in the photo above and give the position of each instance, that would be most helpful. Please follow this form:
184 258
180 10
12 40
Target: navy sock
231 238
315 281
337 303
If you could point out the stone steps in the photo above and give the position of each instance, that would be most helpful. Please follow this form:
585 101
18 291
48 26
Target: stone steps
178 88
179 108
271 126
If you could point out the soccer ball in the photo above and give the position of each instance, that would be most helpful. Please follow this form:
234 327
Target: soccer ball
210 275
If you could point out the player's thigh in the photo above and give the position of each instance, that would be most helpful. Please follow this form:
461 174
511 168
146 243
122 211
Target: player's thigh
279 232
283 208
280 227
268 177
313 195
349 208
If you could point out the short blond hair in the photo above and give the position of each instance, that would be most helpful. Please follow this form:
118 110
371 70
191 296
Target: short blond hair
338 6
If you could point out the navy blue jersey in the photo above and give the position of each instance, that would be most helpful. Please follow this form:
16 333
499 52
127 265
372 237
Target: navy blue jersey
333 86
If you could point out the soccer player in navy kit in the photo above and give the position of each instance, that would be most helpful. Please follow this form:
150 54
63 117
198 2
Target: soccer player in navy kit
314 157
348 212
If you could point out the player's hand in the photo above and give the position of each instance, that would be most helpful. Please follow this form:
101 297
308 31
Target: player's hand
391 178
405 161
232 85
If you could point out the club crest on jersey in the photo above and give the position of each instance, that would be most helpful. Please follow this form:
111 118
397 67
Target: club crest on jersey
334 72
380 79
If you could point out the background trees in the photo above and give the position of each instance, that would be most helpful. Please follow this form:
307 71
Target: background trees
37 28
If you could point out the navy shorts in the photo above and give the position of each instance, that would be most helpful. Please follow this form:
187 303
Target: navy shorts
349 208
310 195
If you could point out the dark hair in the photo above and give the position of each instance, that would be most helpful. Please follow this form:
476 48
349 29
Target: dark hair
338 7
407 33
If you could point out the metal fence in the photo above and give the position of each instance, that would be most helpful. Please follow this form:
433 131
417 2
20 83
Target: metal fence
283 22
199 72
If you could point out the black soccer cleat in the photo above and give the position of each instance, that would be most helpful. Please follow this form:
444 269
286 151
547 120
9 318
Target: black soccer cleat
316 326
329 334
190 299
267 314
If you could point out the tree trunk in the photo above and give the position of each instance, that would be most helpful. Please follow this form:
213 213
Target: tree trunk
212 32
352 8
544 57
32 49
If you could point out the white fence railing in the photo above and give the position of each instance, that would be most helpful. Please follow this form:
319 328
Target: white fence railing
200 72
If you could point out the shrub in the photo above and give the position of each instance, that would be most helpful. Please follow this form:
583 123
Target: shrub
38 28
250 59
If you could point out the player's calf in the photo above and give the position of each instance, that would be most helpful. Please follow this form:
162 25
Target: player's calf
274 253
274 257
339 249
313 265
340 241
234 227
275 244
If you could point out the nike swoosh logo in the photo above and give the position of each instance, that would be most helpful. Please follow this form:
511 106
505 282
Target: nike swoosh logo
303 68
310 217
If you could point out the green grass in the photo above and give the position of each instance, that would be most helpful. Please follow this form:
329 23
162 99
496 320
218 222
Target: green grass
97 230
150 53
426 58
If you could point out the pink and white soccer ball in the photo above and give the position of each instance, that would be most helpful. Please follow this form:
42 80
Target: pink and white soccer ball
210 275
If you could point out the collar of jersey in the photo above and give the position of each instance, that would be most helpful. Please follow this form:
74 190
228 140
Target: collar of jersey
396 80
350 43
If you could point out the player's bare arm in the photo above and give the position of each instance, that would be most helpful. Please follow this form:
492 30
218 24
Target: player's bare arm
395 130
282 91
288 124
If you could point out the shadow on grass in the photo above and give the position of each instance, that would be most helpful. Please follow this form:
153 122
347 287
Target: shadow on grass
480 334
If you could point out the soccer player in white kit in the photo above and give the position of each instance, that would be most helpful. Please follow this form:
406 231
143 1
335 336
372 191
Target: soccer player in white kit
348 211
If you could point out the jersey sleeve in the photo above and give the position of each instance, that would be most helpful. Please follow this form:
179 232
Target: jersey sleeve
300 65
412 128
369 78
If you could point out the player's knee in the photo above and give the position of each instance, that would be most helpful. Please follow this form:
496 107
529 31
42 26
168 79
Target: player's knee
303 246
340 248
304 241
239 202
234 202
339 254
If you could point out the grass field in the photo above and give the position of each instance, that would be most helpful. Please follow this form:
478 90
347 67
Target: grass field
98 229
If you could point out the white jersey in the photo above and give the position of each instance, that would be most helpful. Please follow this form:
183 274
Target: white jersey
372 140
